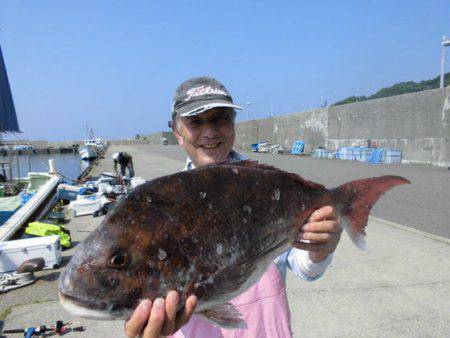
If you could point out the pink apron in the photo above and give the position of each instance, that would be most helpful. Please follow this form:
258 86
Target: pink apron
264 307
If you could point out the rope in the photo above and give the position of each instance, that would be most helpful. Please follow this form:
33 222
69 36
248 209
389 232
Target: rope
13 280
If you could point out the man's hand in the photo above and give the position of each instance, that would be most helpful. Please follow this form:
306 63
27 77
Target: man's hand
160 318
323 231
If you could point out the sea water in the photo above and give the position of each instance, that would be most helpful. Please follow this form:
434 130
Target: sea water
69 165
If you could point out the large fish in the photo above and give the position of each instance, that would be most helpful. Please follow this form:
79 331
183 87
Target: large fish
211 232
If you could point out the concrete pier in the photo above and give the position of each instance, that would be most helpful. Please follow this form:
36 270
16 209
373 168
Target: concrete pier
399 287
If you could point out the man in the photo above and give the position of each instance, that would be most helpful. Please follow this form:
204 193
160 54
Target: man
126 161
203 123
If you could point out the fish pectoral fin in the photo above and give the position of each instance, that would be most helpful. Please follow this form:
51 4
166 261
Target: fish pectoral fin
225 316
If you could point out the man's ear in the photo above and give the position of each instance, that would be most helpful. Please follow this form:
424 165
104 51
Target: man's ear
178 136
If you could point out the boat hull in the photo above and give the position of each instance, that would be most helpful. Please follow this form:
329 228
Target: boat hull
87 152
21 216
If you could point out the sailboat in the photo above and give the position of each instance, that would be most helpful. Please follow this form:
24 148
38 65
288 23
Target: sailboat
21 199
8 117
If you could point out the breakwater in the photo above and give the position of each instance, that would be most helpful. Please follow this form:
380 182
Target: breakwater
417 124
22 147
40 151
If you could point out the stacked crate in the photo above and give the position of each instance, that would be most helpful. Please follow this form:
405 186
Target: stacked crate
364 154
392 156
321 153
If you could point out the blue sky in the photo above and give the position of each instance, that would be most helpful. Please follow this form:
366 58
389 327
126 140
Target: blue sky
116 64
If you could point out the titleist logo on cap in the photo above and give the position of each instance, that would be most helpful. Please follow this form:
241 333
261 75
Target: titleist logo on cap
202 90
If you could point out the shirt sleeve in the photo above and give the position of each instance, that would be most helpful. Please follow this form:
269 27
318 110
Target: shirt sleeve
299 262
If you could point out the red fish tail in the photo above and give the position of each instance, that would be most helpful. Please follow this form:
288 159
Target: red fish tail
355 200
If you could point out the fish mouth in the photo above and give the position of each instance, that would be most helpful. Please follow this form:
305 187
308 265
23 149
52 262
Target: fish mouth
89 309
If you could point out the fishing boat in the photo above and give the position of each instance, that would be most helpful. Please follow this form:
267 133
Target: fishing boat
21 199
19 209
92 147
88 150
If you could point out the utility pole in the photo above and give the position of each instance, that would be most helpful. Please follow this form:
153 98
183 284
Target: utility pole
248 109
445 43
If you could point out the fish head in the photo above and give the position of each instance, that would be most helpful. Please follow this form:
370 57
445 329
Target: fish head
115 267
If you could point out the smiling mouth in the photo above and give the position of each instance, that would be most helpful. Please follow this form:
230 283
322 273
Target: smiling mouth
211 145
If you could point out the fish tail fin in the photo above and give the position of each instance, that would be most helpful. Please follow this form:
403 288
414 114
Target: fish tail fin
355 200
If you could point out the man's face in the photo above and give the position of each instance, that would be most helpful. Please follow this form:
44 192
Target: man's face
207 137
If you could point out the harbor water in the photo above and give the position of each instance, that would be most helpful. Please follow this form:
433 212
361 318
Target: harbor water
69 165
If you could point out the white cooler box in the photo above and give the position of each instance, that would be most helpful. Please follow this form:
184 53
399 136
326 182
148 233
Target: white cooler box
86 205
14 253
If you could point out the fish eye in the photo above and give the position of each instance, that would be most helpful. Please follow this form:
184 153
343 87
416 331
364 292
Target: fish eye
118 260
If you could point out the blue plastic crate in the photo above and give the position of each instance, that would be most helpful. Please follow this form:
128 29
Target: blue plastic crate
363 154
345 153
5 215
321 153
377 156
392 156
298 147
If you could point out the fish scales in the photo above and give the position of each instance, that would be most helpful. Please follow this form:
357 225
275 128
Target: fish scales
225 219
236 212
211 232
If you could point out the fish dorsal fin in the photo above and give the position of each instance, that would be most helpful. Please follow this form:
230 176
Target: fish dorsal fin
225 316
253 164
267 167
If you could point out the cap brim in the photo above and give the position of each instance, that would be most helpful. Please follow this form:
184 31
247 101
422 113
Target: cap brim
201 107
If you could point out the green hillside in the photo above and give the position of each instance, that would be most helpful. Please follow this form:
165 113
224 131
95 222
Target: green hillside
399 88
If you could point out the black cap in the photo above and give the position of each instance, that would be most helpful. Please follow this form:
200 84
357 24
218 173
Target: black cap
197 95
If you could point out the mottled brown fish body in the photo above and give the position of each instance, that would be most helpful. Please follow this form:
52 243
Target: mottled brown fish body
210 232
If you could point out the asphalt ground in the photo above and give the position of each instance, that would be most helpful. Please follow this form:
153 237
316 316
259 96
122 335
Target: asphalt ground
399 287
423 205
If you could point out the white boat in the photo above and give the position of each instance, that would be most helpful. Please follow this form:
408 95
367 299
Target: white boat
92 148
87 151
41 185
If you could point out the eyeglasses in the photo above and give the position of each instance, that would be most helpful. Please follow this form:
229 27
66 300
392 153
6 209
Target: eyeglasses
220 119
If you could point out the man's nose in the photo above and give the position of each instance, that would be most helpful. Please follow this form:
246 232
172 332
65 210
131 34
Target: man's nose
210 129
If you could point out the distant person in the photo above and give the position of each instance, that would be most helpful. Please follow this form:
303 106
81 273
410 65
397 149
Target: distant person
126 161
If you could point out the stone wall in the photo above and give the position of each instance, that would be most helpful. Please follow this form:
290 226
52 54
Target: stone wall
159 137
418 124
284 130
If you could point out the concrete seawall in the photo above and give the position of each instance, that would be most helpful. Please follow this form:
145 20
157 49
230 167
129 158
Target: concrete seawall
418 124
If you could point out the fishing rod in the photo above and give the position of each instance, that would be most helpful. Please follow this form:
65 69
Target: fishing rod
59 328
122 182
